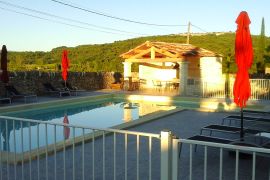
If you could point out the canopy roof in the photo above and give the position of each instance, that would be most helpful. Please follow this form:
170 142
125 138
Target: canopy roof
164 50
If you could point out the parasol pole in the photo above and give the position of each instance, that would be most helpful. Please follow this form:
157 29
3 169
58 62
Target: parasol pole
242 125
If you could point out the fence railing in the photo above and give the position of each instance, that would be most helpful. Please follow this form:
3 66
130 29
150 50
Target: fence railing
260 89
216 90
210 170
32 149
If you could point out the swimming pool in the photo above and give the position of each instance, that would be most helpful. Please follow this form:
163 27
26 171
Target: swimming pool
100 114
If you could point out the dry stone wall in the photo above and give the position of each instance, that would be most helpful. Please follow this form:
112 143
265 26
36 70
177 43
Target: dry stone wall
31 81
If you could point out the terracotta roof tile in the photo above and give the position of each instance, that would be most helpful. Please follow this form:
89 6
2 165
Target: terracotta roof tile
179 50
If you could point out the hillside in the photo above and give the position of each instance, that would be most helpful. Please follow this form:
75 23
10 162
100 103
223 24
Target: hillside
105 57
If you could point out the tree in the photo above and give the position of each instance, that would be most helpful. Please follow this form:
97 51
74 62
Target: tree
105 57
267 55
261 50
39 61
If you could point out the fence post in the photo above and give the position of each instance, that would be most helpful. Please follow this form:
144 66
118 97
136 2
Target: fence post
202 86
166 155
175 157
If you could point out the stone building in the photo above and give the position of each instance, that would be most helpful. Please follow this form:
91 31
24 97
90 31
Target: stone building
165 62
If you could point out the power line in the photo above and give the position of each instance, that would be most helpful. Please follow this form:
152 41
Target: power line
163 28
68 19
59 22
198 28
114 17
73 20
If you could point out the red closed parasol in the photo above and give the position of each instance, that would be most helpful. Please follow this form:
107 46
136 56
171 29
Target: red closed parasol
244 58
65 66
4 75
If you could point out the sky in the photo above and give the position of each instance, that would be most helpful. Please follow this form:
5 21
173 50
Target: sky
41 25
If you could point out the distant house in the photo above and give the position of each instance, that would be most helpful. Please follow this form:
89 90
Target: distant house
173 61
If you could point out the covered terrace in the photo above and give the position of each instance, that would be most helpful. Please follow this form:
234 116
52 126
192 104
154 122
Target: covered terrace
163 64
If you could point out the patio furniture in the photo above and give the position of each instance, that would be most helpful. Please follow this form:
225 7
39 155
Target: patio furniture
14 93
257 140
227 129
207 139
256 112
210 139
220 140
131 84
246 118
238 118
142 83
118 84
249 141
175 83
72 89
5 99
157 84
49 88
169 85
135 85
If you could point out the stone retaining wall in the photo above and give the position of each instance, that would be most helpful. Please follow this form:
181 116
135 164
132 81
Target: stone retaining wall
31 81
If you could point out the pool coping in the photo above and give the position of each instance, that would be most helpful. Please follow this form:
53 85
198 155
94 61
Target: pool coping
42 151
55 103
92 98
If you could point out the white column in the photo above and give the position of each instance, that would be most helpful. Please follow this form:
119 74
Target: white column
183 70
127 74
127 70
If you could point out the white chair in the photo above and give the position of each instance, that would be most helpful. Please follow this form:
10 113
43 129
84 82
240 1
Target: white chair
157 84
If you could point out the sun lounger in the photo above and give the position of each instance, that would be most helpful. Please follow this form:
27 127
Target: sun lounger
49 88
246 118
228 129
256 112
5 99
263 143
261 140
207 139
210 139
14 93
246 142
73 89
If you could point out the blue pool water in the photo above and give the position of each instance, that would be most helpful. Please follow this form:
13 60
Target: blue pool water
100 115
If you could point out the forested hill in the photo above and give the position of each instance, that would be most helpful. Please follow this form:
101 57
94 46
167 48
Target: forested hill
105 57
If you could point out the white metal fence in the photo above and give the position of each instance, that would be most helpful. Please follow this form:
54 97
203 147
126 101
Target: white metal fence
222 171
260 89
33 149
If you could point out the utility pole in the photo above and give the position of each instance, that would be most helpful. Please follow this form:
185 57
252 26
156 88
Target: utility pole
188 33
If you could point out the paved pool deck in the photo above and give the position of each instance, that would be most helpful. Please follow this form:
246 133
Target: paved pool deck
183 124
